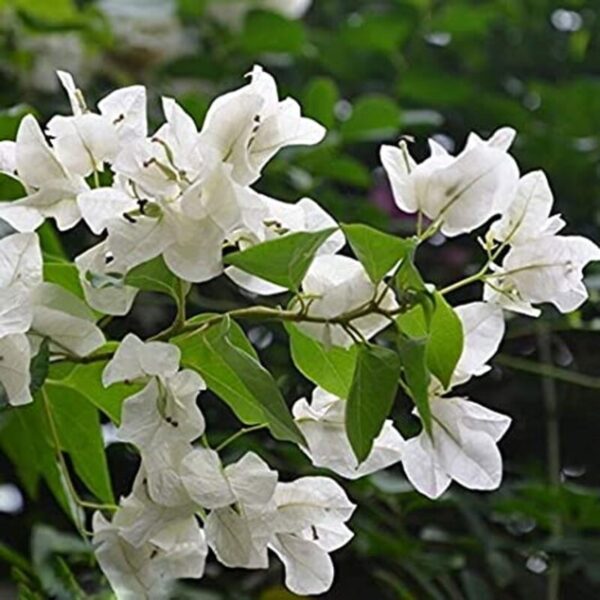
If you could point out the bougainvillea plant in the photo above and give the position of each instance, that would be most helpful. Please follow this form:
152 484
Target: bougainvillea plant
176 208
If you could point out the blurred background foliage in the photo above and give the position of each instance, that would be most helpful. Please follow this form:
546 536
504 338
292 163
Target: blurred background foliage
370 71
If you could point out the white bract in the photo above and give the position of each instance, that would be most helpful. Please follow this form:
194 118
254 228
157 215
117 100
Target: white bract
547 269
33 310
337 285
310 522
462 192
462 448
249 126
323 424
528 217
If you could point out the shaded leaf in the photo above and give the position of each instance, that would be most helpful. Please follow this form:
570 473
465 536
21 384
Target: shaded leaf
416 374
78 428
371 396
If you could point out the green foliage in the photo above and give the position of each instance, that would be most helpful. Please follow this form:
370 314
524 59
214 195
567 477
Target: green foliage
86 379
377 251
268 32
26 439
373 118
238 379
65 274
413 356
79 434
283 260
371 396
319 100
154 276
330 368
39 367
442 330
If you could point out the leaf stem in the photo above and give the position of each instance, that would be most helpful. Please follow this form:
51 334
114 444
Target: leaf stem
239 434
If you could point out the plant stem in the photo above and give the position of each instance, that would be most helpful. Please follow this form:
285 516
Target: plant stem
548 370
552 451
239 434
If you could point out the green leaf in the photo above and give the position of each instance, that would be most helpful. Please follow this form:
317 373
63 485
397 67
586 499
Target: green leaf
446 340
374 117
78 428
65 274
154 276
371 396
377 251
319 100
416 374
238 379
444 332
87 380
270 32
330 368
284 260
25 438
39 366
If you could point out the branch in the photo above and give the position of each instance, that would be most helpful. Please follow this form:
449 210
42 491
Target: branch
548 370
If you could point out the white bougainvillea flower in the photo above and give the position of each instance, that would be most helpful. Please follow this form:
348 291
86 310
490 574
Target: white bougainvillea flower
164 412
463 191
40 310
8 157
548 269
15 377
145 548
323 424
339 284
65 319
248 126
189 232
168 161
101 278
51 189
232 14
86 140
462 447
528 215
249 481
135 359
239 525
276 219
163 418
310 523
483 330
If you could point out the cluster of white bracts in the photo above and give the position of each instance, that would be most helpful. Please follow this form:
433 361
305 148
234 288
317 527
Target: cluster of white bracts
31 310
184 501
185 194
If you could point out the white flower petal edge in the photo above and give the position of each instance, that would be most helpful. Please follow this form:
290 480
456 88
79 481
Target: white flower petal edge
547 269
463 191
462 447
